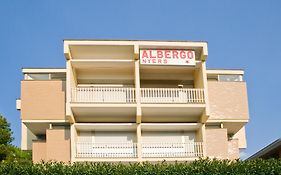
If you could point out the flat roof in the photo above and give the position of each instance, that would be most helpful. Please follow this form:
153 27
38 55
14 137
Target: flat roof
225 71
59 70
133 40
43 70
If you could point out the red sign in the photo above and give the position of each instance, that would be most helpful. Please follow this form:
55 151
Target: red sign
167 57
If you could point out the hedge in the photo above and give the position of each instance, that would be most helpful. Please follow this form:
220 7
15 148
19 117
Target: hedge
204 167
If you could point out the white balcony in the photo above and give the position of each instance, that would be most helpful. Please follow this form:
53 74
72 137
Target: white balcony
103 95
148 95
129 150
106 150
155 150
172 95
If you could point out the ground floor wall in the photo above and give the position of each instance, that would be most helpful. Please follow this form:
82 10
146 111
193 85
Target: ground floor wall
55 147
218 145
58 140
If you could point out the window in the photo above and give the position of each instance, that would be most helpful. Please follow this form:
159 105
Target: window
58 76
213 125
230 78
37 76
45 76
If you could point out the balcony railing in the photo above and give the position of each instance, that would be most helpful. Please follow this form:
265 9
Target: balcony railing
129 150
103 95
172 95
148 95
192 149
106 150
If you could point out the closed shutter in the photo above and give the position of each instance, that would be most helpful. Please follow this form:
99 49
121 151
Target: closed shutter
167 144
114 137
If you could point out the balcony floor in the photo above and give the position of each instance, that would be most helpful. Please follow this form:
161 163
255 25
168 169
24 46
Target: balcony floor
104 113
172 113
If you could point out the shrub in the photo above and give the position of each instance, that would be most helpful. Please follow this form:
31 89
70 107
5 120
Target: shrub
199 167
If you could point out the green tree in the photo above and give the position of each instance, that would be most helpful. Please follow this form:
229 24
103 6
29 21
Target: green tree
5 138
15 154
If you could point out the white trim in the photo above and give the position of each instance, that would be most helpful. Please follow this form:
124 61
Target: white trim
131 43
45 121
225 72
42 70
225 120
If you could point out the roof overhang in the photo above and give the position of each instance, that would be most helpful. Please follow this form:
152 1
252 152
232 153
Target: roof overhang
225 71
200 47
43 70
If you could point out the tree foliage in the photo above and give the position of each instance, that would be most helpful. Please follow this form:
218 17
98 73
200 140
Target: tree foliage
5 138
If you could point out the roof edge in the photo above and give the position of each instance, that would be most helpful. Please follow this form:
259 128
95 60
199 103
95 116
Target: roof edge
134 40
266 149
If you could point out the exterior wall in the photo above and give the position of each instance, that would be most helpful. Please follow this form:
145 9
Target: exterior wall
241 136
216 143
26 138
228 100
39 151
43 100
233 150
58 145
55 147
73 141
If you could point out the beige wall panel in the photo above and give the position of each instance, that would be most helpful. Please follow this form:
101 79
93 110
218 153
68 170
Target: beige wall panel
216 143
102 52
43 100
38 151
58 145
241 136
228 100
233 150
198 78
26 138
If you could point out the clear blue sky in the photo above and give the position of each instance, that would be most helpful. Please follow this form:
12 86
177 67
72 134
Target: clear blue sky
241 34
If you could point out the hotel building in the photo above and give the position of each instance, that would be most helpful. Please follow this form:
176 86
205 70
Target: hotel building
133 101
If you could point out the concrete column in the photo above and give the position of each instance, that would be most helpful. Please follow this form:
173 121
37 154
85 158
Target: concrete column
26 137
205 85
68 87
203 129
73 136
137 87
139 142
